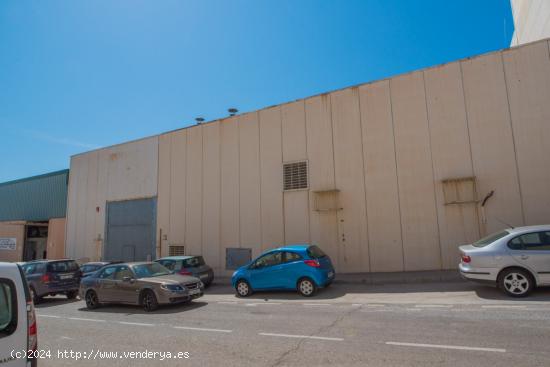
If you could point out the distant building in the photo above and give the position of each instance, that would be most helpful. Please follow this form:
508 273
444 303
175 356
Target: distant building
531 20
387 176
32 217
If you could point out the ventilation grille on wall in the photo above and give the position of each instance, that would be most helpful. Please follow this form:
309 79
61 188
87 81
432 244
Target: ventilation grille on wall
174 250
295 176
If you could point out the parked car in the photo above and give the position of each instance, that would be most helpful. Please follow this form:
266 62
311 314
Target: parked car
189 265
18 330
516 259
304 268
89 268
52 277
148 284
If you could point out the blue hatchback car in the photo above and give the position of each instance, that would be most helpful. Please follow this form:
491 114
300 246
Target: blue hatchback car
304 268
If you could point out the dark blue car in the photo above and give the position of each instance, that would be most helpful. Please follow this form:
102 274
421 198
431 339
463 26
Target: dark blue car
304 268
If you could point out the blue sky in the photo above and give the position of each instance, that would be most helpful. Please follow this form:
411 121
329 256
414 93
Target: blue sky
76 75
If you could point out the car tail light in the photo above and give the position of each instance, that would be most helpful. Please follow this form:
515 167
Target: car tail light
32 333
185 272
45 278
312 263
466 259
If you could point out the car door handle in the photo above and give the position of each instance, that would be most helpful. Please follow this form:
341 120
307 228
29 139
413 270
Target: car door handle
524 257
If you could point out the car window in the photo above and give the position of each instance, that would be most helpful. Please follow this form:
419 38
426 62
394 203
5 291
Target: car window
193 262
150 270
62 266
490 239
270 259
8 307
168 264
107 273
123 271
315 252
531 241
29 268
290 257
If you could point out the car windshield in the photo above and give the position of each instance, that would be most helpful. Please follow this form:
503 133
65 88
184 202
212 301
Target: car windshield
62 266
315 252
193 262
490 239
150 270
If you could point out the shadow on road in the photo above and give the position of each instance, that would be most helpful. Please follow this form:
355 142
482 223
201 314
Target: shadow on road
137 310
55 301
539 294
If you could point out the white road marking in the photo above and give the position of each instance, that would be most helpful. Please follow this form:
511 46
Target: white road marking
357 304
52 316
433 306
413 309
202 329
82 319
317 304
303 337
227 302
375 305
66 337
263 303
440 346
503 306
250 304
134 323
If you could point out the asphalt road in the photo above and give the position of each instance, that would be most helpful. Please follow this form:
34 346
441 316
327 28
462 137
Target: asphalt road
399 325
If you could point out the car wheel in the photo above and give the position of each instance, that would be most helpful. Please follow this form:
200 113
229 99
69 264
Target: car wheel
306 287
149 301
516 282
35 298
243 288
71 294
92 302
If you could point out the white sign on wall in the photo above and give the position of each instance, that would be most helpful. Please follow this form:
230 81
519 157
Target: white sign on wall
8 243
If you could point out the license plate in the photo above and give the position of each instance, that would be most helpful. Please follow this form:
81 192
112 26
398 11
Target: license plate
66 276
192 292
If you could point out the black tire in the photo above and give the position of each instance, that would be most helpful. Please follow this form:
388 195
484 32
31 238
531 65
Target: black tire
71 294
306 287
35 298
149 300
516 282
92 301
243 289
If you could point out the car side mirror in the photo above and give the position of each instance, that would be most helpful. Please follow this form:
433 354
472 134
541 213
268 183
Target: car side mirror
127 279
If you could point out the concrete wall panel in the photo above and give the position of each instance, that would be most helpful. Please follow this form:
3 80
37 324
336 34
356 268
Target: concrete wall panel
178 188
528 80
350 180
323 224
449 140
211 196
296 203
384 222
13 230
414 170
193 198
271 156
56 238
491 141
249 182
163 196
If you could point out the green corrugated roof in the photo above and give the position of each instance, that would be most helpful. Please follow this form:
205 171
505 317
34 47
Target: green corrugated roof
36 198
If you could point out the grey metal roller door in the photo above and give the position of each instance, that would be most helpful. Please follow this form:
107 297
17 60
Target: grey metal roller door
130 230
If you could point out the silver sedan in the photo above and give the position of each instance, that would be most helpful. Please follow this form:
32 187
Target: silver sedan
516 259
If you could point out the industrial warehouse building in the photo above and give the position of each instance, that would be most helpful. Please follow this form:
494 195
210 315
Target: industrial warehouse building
32 217
387 176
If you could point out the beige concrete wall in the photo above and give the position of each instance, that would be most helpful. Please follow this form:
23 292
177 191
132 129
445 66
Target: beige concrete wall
384 147
56 238
13 230
121 172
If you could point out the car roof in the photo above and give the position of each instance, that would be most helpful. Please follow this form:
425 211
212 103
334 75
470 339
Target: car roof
297 247
524 229
182 257
98 263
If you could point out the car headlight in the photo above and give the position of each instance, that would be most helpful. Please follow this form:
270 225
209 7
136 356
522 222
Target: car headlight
201 284
172 287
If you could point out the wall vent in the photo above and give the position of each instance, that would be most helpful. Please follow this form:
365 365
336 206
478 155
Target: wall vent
295 176
176 250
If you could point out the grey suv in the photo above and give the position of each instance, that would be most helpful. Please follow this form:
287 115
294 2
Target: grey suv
51 277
